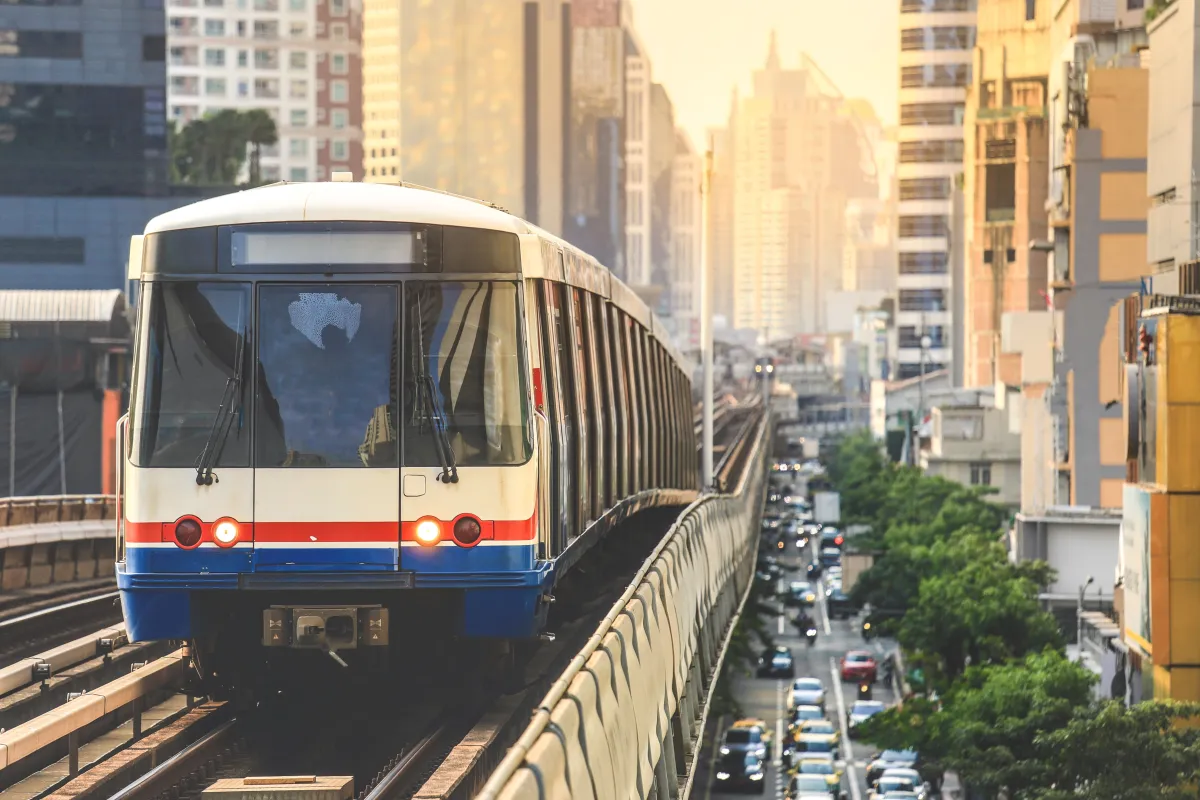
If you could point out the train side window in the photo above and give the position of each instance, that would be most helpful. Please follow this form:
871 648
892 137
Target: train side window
579 396
598 417
557 412
664 438
607 382
645 479
687 436
636 406
653 395
621 376
672 435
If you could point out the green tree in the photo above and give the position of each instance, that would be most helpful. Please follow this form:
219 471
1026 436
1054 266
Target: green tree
975 607
212 150
1110 752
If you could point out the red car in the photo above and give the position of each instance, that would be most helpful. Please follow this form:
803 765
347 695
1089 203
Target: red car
858 665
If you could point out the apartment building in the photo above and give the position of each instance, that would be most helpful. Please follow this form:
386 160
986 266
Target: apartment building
298 60
686 227
469 97
972 445
720 221
87 171
1006 178
936 41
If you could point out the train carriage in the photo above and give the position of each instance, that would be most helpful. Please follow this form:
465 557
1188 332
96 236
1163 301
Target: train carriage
361 409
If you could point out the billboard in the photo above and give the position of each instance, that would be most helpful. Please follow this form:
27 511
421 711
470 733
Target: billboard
1135 548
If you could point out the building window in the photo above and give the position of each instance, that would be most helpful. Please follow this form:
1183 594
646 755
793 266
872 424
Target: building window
909 336
266 59
214 27
266 5
297 30
338 64
922 300
933 6
1030 9
41 250
243 58
981 474
931 114
184 26
935 76
339 92
214 3
214 87
935 263
953 37
337 8
214 57
340 118
298 174
339 149
924 188
297 148
298 59
298 5
924 225
945 151
241 29
154 48
298 90
41 44
185 85
266 29
299 118
266 88
243 88
339 31
1133 5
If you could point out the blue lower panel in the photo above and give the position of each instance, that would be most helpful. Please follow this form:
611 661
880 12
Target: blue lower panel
317 559
501 613
155 615
441 564
201 560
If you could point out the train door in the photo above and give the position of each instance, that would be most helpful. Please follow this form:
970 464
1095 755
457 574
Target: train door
550 314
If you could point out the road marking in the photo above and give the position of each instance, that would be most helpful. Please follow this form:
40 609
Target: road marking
778 754
824 611
851 777
780 620
712 760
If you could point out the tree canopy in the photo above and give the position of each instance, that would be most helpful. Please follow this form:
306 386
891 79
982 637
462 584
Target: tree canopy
211 151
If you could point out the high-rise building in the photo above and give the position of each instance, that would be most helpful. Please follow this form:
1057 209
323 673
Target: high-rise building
799 153
83 144
468 97
687 219
663 147
594 215
936 41
298 60
639 198
720 222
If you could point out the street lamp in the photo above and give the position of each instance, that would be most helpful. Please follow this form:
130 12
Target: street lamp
1079 616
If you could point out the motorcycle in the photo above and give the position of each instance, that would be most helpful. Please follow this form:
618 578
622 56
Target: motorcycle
867 633
864 691
811 635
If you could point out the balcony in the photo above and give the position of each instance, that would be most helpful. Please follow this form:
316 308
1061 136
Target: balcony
1010 112
1001 214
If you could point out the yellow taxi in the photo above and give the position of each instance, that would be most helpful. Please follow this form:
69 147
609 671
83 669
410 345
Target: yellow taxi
825 767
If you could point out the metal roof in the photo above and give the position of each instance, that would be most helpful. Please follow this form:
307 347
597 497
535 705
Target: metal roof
69 305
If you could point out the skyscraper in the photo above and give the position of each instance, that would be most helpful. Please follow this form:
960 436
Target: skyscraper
687 219
83 145
298 60
468 97
594 217
936 39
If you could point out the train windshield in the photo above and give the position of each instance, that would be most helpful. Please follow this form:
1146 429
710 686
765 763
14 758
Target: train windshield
332 368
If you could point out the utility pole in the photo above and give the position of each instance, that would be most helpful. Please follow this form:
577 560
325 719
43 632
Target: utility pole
706 326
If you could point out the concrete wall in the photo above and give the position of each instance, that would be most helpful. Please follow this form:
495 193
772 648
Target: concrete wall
1078 548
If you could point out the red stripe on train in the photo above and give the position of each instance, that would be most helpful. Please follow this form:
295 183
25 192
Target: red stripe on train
299 532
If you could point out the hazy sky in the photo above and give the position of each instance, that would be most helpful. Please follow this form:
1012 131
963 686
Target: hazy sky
700 49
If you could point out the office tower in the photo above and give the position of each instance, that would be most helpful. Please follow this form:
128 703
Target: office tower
468 97
83 146
298 60
936 39
687 219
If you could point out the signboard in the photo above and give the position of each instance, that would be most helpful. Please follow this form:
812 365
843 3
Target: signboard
1135 547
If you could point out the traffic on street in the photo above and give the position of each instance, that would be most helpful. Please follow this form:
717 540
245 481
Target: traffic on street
822 677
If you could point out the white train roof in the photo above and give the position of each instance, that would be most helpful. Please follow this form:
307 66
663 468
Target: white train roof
379 202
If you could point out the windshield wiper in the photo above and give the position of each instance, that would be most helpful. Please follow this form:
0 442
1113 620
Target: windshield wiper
426 407
222 421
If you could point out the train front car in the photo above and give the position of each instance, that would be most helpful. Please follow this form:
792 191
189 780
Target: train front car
331 408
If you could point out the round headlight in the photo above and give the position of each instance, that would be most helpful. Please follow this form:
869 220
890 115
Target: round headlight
428 531
187 533
225 532
467 531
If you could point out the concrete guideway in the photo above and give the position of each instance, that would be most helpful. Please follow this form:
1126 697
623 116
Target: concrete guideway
625 718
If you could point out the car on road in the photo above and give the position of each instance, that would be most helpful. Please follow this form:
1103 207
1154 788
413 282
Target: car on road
810 787
831 556
777 662
832 537
758 741
838 604
889 783
890 759
801 714
825 768
808 692
859 665
816 744
919 784
801 593
860 712
740 771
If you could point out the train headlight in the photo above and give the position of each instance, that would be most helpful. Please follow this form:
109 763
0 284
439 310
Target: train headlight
187 533
226 532
428 532
467 531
